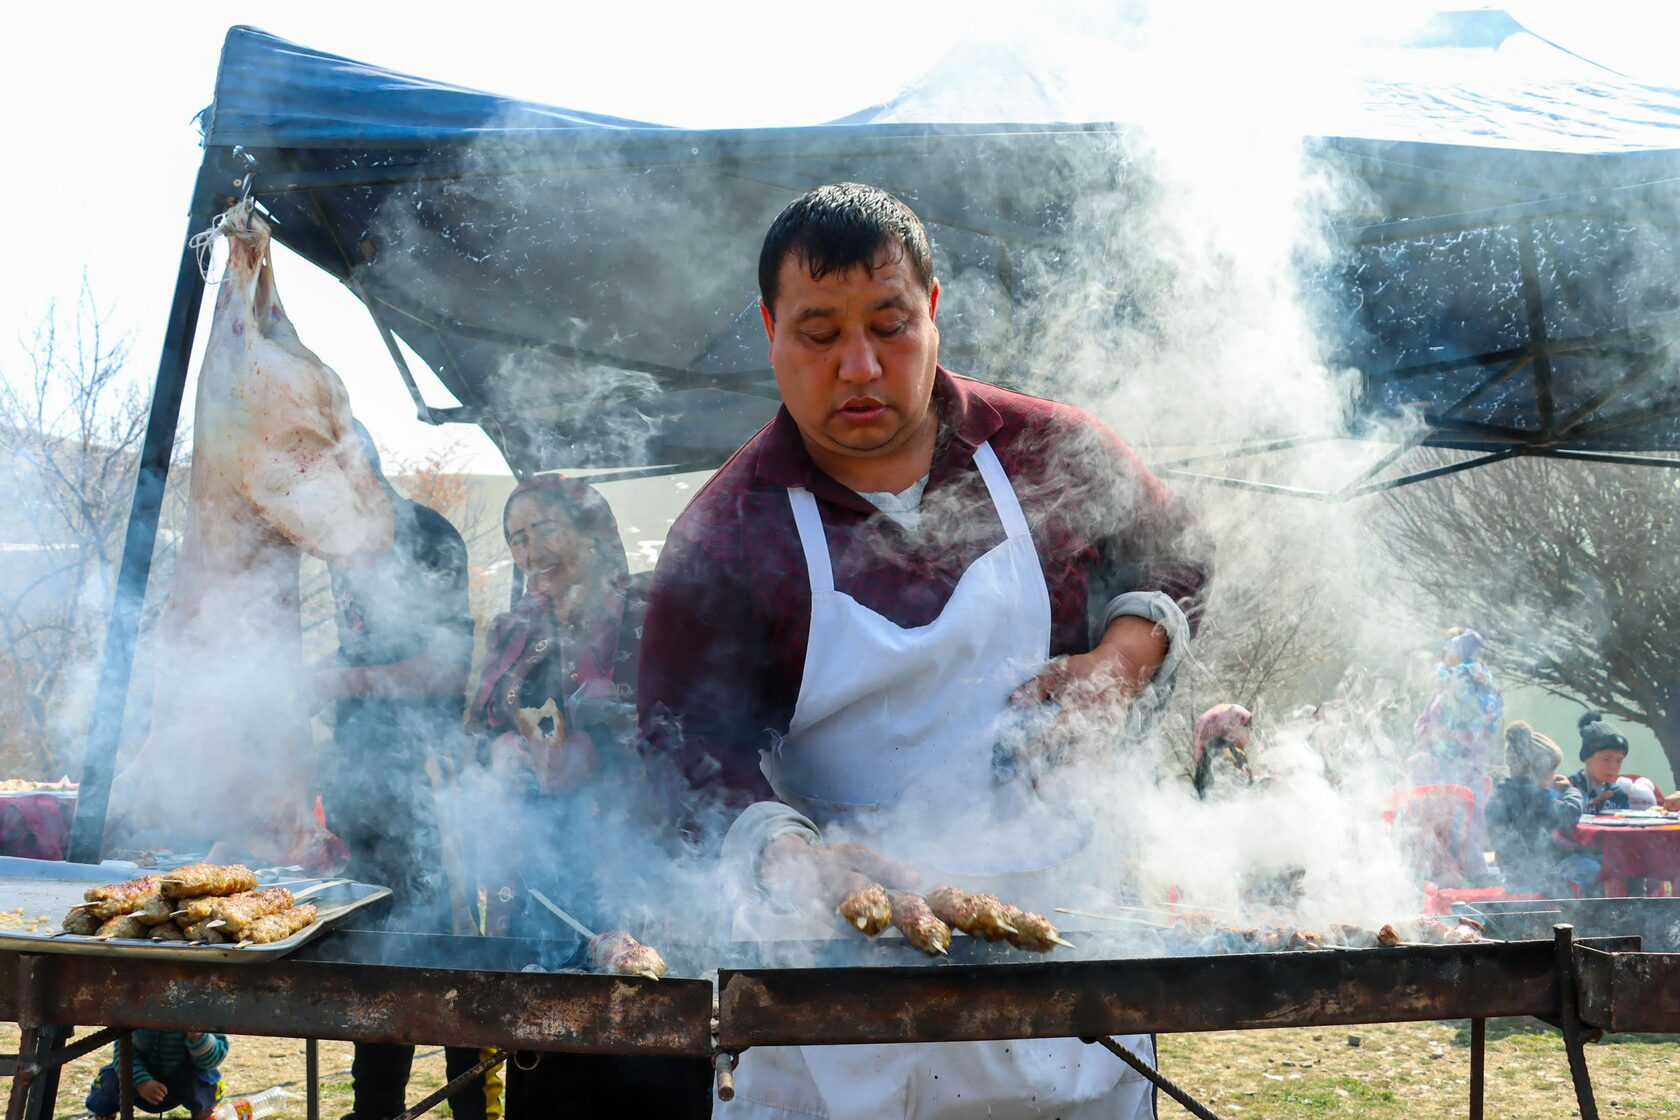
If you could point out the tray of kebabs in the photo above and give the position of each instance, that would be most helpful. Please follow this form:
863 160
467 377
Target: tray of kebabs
198 911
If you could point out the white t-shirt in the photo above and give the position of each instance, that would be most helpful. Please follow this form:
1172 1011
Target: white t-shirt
904 507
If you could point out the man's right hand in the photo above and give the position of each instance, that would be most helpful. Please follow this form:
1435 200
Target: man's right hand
152 1092
795 869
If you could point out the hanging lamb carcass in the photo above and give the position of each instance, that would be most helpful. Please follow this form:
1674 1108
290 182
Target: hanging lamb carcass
276 471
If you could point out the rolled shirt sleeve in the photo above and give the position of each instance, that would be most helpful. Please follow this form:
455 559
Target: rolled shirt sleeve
1161 609
753 831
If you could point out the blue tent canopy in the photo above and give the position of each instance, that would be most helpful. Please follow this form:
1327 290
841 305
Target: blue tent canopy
584 285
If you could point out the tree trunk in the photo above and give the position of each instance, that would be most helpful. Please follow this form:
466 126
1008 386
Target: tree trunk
1665 724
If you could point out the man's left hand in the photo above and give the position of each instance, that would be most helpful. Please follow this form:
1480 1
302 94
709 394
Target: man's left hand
1120 666
1097 685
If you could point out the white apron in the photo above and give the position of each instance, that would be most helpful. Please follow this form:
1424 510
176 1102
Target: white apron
890 717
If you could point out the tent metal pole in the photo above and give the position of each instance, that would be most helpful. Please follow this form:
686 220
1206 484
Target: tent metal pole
1534 306
99 761
422 410
1434 472
1652 366
1611 457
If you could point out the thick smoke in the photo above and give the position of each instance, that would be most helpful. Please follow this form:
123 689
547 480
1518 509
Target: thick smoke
1170 295
1162 277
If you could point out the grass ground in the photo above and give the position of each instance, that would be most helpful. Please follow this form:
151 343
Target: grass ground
1398 1072
1409 1071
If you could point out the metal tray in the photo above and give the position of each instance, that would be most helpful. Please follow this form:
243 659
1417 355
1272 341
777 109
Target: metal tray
51 888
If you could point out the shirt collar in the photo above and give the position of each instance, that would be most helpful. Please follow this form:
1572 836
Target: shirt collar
970 418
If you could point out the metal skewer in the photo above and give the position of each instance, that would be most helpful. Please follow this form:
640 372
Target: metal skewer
325 884
1171 906
1113 918
553 908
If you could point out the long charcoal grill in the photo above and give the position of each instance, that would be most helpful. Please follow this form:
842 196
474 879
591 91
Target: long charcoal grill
848 992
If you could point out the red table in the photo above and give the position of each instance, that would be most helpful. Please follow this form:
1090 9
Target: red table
36 825
1649 852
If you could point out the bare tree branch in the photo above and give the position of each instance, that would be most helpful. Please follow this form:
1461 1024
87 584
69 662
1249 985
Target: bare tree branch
1571 568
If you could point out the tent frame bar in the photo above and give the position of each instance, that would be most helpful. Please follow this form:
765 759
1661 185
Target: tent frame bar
621 151
1656 198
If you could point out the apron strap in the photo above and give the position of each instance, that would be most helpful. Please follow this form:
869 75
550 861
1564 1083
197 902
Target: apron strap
1003 494
809 521
811 538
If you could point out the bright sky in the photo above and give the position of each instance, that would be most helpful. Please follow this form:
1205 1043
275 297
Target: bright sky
98 101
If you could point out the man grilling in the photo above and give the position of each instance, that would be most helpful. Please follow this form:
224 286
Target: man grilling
887 568
399 681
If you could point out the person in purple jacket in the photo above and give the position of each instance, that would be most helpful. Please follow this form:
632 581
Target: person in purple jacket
849 613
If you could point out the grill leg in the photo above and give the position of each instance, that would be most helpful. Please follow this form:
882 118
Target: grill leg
35 1084
1574 1044
23 1079
1157 1078
1478 1060
43 1102
125 1077
312 1079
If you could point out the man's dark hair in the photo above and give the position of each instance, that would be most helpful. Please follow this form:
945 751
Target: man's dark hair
840 227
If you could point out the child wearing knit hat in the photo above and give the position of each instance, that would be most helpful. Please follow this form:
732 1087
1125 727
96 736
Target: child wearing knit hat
1526 810
1603 750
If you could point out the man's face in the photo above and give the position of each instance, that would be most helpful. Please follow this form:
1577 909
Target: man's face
854 355
1604 767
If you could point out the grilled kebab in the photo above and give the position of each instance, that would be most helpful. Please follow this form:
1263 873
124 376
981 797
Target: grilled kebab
239 910
278 927
618 952
916 921
978 915
197 879
868 908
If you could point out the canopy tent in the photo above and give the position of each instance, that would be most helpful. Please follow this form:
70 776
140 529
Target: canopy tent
584 285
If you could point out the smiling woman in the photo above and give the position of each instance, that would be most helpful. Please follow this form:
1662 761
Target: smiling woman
561 762
561 640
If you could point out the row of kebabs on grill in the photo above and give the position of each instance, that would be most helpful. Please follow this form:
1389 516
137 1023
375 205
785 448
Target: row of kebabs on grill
201 903
926 921
1205 934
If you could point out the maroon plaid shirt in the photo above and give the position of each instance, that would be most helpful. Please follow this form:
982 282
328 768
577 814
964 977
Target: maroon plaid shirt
723 646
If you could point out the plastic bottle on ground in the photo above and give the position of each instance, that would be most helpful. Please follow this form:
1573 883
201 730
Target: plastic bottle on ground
266 1103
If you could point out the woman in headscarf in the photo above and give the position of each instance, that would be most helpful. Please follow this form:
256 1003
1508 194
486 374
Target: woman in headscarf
1223 733
559 727
1459 725
559 647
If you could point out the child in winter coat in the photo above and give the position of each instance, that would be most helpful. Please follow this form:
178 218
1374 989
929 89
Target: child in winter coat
171 1070
1527 808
